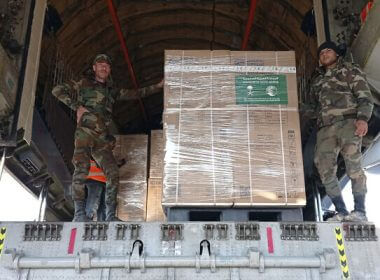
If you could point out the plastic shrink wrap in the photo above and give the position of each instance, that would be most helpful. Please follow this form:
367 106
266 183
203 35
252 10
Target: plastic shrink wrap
156 164
154 211
231 130
132 192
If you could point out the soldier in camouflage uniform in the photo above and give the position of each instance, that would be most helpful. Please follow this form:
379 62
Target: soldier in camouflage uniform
93 105
343 100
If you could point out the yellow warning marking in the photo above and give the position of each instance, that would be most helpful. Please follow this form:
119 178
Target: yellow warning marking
3 230
342 253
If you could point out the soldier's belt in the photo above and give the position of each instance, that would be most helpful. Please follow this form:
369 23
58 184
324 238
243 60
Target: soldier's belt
337 119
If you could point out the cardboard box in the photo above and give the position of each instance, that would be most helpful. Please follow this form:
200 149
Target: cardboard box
229 79
131 199
154 212
223 146
156 165
236 162
132 192
134 150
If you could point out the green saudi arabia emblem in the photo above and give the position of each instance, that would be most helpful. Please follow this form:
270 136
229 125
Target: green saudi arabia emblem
261 89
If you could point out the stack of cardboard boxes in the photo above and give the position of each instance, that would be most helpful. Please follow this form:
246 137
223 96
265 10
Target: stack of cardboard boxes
137 199
231 137
231 129
154 207
133 184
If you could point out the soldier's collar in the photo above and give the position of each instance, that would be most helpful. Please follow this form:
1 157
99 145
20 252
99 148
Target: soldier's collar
108 83
320 70
339 64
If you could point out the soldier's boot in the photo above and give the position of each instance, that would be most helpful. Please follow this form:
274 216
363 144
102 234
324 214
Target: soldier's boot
340 208
359 214
80 211
111 213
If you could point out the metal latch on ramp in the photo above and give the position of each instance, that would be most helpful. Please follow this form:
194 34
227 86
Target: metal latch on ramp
42 232
299 231
360 232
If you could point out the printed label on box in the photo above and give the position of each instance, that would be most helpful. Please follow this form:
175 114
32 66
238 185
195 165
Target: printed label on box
261 89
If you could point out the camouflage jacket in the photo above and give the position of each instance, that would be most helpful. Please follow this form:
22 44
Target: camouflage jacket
340 93
98 99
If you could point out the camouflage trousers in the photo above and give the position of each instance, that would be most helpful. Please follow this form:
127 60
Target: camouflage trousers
87 145
334 139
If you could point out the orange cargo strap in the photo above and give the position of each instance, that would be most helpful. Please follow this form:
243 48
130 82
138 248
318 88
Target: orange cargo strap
96 173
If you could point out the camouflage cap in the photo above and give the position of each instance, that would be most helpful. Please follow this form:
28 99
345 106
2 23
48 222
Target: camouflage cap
102 58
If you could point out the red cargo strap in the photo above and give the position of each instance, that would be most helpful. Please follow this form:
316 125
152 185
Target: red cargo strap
270 240
365 11
73 234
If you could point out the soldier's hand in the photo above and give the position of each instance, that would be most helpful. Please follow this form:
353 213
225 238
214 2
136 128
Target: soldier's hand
81 110
361 128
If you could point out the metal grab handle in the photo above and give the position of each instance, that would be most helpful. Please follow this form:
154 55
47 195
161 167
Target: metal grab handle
12 259
140 245
204 243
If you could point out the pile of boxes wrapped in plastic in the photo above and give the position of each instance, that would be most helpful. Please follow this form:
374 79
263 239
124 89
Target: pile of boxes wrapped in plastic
133 184
231 134
139 198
